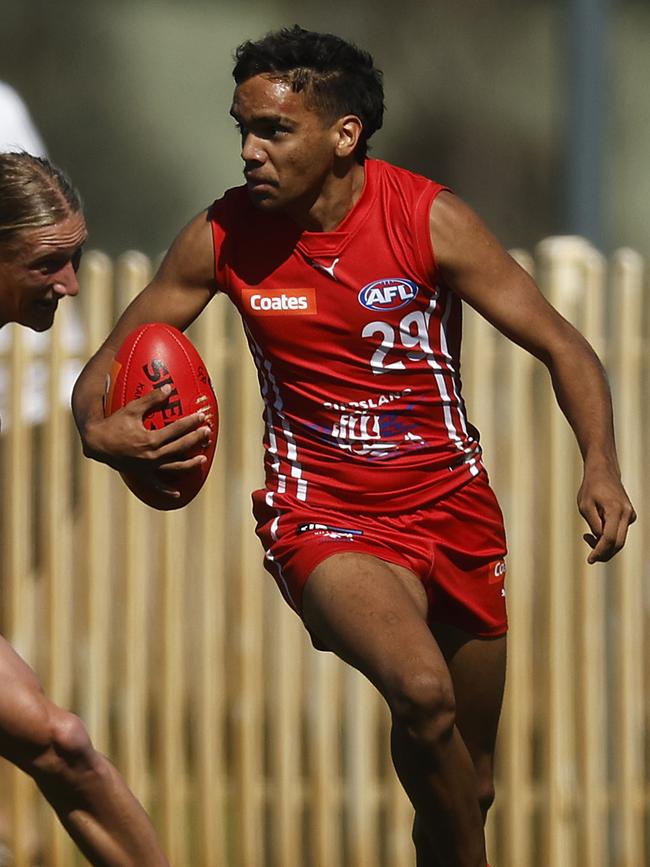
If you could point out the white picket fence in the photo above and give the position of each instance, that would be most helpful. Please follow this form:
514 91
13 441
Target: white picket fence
249 748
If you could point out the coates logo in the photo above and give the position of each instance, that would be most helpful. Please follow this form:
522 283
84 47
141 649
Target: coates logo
391 293
497 572
280 302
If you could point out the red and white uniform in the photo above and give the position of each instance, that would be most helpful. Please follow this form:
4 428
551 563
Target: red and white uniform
367 444
357 343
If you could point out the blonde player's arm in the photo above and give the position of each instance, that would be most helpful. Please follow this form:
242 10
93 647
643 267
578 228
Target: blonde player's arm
180 290
475 265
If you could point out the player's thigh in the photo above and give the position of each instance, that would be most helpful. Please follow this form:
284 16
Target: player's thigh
477 667
372 614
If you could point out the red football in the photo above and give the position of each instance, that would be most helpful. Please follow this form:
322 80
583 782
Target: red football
152 356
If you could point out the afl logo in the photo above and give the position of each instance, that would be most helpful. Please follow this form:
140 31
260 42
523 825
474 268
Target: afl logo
391 293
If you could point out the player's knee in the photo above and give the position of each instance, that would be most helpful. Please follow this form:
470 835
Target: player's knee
485 796
65 746
484 768
70 737
423 704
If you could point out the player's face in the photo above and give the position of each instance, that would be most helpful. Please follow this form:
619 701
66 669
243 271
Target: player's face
38 269
288 149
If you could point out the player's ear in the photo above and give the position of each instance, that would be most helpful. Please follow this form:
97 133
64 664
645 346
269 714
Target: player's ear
348 131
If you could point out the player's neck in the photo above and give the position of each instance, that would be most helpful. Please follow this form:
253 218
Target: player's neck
336 198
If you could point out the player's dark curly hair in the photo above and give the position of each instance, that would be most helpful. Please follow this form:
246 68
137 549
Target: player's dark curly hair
338 78
33 193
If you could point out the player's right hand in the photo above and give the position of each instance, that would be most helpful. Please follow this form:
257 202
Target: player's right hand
122 440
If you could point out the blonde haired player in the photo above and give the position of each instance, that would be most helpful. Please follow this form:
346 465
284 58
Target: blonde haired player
42 230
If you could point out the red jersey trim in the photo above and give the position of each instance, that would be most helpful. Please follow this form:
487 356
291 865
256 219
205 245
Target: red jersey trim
422 232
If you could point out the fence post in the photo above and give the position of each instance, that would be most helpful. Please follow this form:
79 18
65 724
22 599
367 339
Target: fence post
96 278
630 583
210 521
56 535
591 658
515 791
561 276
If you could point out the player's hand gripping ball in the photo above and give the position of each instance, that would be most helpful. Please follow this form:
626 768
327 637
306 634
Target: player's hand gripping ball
150 357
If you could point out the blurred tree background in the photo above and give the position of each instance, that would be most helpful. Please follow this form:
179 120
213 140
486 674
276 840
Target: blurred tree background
132 99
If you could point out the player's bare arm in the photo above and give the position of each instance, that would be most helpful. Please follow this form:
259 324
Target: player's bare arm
178 293
481 272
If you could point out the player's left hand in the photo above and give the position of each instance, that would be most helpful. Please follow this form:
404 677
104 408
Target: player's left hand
605 506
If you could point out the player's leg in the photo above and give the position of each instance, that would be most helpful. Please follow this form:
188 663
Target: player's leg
373 615
477 667
91 799
478 671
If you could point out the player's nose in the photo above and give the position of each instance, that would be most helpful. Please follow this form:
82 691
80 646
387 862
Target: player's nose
65 281
251 149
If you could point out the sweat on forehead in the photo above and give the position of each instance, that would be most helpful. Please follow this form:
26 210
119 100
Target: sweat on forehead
316 89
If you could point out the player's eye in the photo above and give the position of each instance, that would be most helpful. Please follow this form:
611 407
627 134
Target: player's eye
76 259
50 265
273 128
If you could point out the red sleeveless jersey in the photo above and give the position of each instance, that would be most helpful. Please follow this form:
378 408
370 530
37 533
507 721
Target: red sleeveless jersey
357 346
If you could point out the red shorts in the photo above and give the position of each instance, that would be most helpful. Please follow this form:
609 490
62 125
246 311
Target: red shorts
456 547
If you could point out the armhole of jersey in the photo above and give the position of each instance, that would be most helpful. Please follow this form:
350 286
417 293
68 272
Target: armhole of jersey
425 249
217 241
